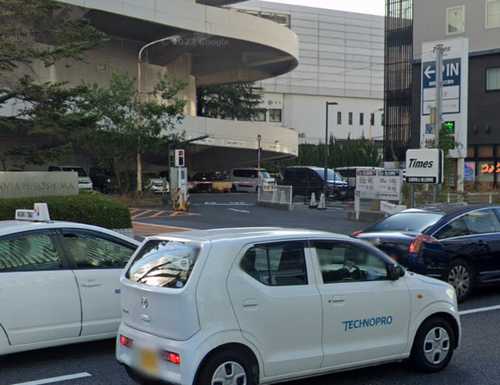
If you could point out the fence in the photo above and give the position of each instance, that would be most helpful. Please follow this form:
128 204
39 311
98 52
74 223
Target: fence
276 196
424 197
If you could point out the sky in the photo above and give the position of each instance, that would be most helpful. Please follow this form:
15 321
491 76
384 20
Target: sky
364 6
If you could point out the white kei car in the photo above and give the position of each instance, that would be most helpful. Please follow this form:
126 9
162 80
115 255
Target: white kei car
59 283
266 305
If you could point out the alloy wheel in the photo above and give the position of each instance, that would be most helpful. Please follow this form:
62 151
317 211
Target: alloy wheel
229 373
436 345
459 278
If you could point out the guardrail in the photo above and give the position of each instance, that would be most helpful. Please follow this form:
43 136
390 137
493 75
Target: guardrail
275 196
471 198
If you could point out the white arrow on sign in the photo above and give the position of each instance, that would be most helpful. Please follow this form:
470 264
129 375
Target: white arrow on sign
428 72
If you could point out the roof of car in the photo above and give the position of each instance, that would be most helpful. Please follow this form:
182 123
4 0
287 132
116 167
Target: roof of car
12 227
448 209
249 233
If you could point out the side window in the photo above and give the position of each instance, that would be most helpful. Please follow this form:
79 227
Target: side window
482 222
278 264
456 228
29 252
89 251
342 262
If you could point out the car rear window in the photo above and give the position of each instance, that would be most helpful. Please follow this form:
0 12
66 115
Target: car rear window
162 263
411 222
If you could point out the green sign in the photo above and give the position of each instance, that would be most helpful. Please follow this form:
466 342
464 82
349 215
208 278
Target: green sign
450 127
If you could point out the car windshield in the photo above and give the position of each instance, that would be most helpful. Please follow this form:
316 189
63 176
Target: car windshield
264 174
411 222
164 264
81 172
332 175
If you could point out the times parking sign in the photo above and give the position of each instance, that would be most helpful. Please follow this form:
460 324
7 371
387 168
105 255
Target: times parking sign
424 166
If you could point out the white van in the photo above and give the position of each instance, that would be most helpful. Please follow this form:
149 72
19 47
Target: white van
248 179
265 305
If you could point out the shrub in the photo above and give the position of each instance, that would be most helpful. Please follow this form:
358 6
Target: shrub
89 208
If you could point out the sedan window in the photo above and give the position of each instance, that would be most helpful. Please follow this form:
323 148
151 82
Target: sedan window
89 251
342 262
412 222
482 222
29 252
456 228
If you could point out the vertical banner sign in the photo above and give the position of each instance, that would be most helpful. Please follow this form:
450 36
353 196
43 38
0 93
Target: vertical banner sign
455 92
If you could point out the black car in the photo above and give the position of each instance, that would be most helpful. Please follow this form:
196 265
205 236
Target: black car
306 180
459 244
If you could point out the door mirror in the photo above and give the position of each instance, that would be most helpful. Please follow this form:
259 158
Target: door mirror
394 272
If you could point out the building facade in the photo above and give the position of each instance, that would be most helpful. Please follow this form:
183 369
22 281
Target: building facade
207 45
341 59
479 22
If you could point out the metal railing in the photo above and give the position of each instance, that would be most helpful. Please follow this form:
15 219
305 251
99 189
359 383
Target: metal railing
276 195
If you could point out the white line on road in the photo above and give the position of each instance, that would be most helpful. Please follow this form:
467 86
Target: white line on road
480 310
240 211
57 379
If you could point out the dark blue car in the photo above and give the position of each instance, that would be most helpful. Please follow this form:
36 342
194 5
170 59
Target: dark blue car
459 244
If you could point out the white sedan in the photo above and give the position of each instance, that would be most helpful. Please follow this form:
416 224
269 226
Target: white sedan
59 283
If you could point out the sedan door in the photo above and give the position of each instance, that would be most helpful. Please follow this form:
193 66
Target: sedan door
98 261
365 315
39 298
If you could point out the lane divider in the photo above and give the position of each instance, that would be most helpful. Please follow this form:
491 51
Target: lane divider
480 310
69 377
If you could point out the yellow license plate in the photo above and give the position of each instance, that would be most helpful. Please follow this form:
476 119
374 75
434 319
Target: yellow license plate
148 361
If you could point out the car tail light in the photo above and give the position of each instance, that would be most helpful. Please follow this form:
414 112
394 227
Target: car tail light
416 245
356 233
125 341
171 357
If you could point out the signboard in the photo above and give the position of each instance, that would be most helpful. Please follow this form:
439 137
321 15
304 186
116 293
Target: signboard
27 184
380 184
424 166
455 92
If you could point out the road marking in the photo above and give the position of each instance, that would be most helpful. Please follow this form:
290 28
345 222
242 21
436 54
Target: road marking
141 214
480 310
240 211
52 380
158 214
228 204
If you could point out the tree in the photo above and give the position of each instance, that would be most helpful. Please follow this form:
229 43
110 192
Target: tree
229 101
128 125
39 32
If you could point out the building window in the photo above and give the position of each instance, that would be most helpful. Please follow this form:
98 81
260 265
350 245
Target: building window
350 118
275 115
361 119
493 79
492 13
260 115
372 119
339 118
455 20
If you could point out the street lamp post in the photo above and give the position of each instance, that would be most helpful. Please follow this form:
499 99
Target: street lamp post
139 91
326 154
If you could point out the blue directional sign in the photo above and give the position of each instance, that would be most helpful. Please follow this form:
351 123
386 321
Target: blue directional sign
451 73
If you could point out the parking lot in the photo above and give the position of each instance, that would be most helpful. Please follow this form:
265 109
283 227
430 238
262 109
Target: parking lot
476 362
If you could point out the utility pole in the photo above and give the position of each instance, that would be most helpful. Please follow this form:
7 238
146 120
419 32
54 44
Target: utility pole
259 158
327 152
439 51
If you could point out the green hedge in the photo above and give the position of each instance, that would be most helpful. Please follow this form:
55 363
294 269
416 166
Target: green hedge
90 208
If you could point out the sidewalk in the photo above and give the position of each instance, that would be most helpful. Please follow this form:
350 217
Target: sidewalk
146 229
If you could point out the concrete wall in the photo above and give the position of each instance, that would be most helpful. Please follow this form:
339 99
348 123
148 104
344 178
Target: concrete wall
430 24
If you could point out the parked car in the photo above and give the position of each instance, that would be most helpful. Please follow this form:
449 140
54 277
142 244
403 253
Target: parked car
456 243
248 179
306 180
59 283
84 181
102 180
265 305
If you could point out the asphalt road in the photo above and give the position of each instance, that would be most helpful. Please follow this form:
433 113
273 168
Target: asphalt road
240 210
477 362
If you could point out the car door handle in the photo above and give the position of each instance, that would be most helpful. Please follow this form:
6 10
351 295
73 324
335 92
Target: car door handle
336 300
90 285
250 303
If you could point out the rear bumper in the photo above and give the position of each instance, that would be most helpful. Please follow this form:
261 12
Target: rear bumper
168 372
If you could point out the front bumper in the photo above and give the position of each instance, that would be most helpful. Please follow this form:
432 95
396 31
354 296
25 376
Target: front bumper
182 374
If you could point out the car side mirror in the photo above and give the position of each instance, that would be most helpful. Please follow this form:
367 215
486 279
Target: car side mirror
395 272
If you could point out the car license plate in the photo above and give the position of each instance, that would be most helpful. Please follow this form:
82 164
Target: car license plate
148 361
